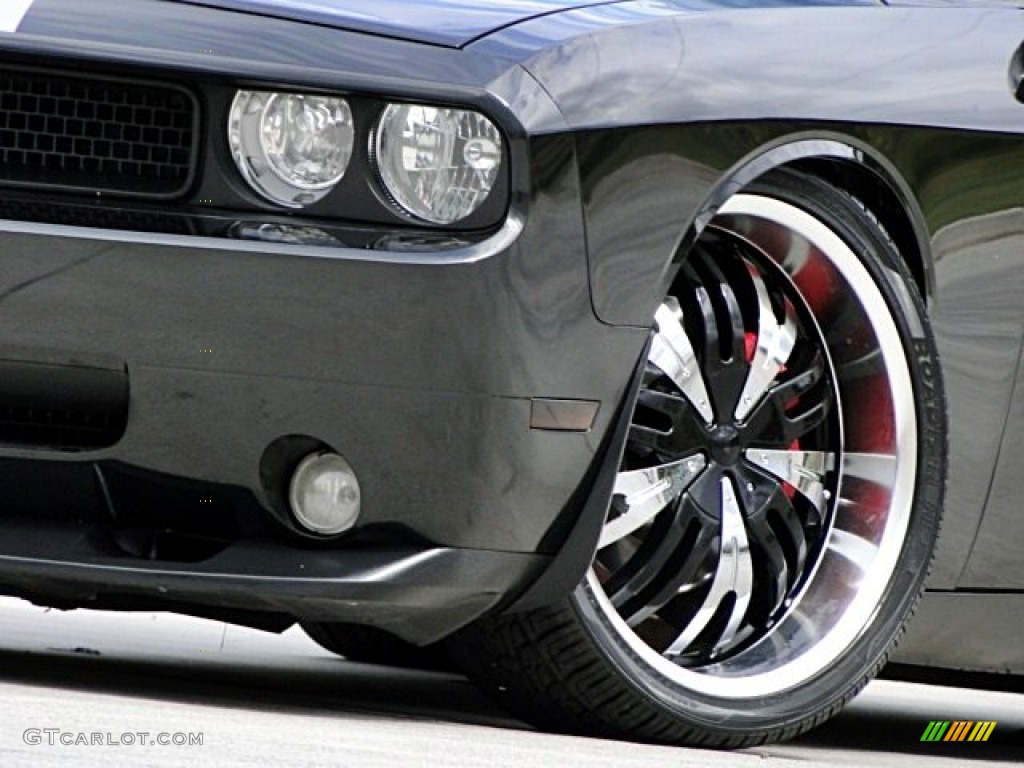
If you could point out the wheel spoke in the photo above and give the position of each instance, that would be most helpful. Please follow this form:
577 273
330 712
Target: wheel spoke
733 346
775 571
646 492
775 343
626 587
795 427
782 398
734 578
722 333
644 440
779 541
803 470
672 352
783 514
684 571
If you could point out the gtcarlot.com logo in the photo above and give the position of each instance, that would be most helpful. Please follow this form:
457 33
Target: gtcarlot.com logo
57 737
958 730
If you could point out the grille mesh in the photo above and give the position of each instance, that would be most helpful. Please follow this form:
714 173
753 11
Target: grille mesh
101 215
63 130
59 429
62 405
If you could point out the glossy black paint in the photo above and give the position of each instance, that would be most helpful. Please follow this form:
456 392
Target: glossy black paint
935 124
961 171
220 336
453 23
443 22
627 124
970 263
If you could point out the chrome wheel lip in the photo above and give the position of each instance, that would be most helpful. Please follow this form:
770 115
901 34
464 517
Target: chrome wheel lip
762 669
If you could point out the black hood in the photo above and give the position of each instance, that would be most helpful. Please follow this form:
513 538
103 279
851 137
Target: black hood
452 23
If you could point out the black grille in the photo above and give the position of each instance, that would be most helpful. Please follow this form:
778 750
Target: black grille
102 215
94 133
69 406
59 429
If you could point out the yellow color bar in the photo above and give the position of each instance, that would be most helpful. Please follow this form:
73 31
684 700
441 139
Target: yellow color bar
982 730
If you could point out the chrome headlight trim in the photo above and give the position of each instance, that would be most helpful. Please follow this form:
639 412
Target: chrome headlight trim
436 164
291 148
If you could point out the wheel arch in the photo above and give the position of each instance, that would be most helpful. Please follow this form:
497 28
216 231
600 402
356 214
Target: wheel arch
844 162
848 164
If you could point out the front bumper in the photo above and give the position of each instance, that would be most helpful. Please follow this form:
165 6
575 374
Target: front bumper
421 370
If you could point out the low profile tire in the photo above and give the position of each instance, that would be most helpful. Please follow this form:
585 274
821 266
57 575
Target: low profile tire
369 645
777 503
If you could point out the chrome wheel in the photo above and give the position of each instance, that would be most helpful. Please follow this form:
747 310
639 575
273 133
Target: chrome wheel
776 505
756 521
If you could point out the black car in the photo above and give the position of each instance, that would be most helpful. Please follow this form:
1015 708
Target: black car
625 352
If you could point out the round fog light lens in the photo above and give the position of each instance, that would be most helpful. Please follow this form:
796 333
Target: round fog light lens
324 494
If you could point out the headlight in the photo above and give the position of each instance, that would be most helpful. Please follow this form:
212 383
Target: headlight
438 164
292 148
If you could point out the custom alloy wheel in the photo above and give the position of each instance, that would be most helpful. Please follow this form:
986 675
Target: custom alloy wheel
777 501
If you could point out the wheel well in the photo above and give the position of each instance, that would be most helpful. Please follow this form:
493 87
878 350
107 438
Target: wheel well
883 202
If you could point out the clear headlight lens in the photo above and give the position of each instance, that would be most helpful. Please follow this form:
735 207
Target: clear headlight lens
438 164
292 148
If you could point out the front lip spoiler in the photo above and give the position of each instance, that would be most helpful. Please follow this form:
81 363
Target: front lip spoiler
420 594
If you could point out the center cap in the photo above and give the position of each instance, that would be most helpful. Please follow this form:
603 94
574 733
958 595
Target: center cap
725 445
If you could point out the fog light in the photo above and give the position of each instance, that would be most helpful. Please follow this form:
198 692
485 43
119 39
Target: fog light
324 494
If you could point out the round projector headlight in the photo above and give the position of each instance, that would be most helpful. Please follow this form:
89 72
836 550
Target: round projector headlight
292 148
438 164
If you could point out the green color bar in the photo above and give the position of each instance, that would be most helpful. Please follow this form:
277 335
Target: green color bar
935 731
